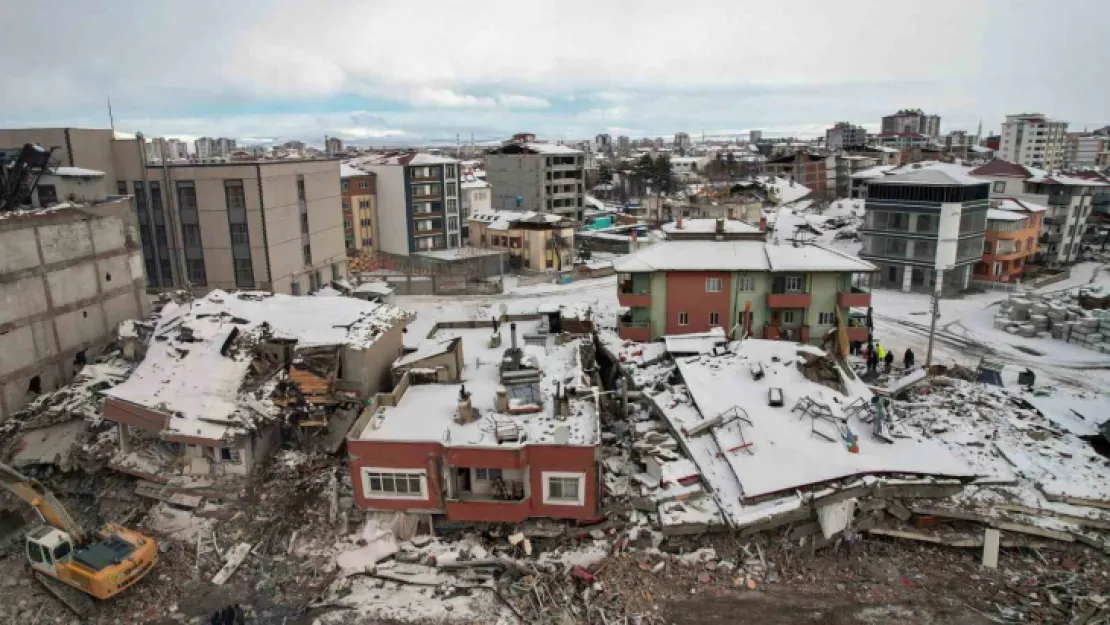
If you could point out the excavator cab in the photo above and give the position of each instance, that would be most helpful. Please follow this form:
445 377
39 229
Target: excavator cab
48 547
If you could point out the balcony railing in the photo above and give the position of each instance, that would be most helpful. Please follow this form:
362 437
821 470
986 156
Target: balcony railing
630 299
788 300
639 331
856 298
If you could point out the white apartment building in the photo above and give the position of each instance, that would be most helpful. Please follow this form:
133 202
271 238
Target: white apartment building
845 135
418 202
1083 150
1033 140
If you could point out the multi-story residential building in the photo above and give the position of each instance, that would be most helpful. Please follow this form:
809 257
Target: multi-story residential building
911 121
603 144
1033 140
624 145
902 141
1069 200
333 146
930 219
540 177
205 148
267 225
534 241
169 149
882 155
681 141
1082 150
360 208
1013 234
68 277
747 288
476 198
417 202
224 147
959 139
806 168
844 135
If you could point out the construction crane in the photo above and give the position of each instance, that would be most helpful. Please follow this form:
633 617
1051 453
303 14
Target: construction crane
67 559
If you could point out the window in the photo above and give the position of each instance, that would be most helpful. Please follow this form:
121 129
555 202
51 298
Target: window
683 319
712 285
793 284
307 252
745 282
788 316
450 171
300 188
826 318
986 247
563 489
999 186
345 186
714 319
363 184
365 223
244 273
194 268
378 483
451 189
239 234
34 552
304 223
295 288
452 223
48 195
232 456
366 243
191 234
61 552
121 187
364 203
452 206
487 475
235 196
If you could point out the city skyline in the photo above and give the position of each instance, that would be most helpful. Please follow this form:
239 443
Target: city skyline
274 72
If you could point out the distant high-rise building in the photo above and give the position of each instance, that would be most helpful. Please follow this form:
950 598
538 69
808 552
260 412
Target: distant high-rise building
844 135
203 147
682 140
334 146
604 143
207 147
624 145
911 121
1033 140
755 136
1082 150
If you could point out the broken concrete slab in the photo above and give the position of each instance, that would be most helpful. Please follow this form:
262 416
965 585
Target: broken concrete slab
51 445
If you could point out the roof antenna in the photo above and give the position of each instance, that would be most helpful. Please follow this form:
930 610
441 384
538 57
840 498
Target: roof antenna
111 119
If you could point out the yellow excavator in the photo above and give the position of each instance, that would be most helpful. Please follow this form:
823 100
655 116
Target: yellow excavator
66 559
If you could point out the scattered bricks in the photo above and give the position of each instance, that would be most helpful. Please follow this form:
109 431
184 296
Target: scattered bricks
898 511
925 521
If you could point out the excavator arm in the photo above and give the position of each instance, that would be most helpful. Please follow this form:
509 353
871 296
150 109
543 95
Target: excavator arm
43 501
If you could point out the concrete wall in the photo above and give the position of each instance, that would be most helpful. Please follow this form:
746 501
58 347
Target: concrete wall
393 220
76 147
371 368
67 279
513 175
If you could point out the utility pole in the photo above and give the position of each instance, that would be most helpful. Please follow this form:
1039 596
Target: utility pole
933 321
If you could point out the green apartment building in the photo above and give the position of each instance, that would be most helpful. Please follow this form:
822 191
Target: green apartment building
773 291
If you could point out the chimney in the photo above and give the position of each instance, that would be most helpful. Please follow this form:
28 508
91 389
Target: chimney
466 409
512 331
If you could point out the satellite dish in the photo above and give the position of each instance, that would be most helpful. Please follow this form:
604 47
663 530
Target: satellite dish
561 434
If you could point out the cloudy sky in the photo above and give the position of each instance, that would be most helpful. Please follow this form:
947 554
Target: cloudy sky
377 72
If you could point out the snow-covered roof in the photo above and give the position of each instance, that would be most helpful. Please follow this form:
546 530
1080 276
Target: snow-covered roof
877 171
785 190
426 350
695 343
503 220
476 183
406 158
718 384
378 288
933 173
195 377
1018 204
738 256
426 412
76 172
350 171
551 148
706 226
1072 181
995 214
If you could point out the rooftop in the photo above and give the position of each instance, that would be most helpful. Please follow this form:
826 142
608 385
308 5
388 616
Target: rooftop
738 256
536 147
995 214
426 412
708 226
75 172
350 171
1017 204
932 173
503 220
405 158
201 352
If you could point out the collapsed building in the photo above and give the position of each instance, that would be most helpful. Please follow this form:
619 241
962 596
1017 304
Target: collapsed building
226 377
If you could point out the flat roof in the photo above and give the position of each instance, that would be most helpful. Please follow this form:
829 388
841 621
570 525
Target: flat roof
738 256
426 412
706 226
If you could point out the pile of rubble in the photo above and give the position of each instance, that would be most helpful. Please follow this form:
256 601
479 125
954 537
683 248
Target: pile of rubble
1077 316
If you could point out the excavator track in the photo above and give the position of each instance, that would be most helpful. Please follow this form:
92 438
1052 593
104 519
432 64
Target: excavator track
78 602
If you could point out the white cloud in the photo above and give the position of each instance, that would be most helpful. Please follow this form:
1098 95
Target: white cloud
447 98
522 102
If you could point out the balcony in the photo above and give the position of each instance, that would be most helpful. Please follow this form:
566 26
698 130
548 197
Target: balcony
424 179
777 301
628 299
856 298
857 334
779 333
639 331
428 197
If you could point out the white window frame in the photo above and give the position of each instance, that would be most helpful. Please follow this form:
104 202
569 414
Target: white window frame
792 279
745 282
579 501
787 316
714 319
683 319
369 494
826 318
713 285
